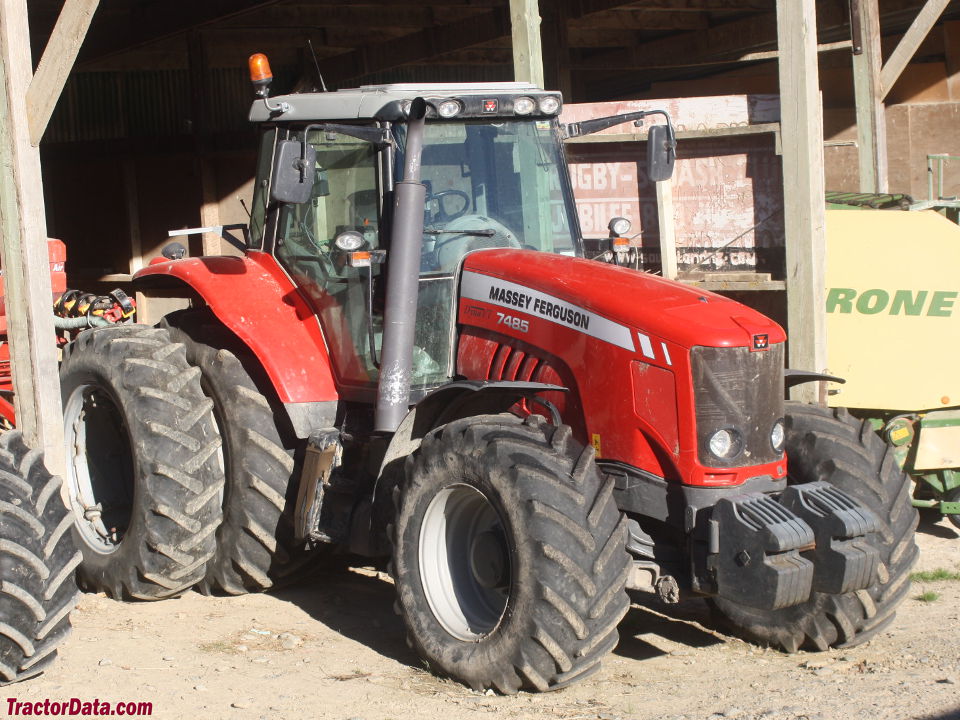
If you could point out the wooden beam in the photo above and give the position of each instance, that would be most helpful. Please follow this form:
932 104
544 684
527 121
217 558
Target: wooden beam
26 266
556 48
56 63
413 47
527 50
801 119
738 40
631 19
871 122
148 22
907 47
951 45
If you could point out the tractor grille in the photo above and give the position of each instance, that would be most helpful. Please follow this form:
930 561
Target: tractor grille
512 363
737 388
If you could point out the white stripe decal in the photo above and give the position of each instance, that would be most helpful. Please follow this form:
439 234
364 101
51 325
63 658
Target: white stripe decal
646 347
476 286
666 353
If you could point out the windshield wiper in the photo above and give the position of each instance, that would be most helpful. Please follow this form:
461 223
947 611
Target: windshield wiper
476 233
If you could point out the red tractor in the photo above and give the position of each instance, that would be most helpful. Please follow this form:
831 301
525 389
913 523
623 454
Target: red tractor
412 359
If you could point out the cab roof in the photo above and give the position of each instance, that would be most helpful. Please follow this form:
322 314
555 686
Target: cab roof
387 102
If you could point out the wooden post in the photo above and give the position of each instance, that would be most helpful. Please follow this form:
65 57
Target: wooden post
667 226
871 125
907 47
210 210
556 49
132 197
26 264
951 44
527 51
801 119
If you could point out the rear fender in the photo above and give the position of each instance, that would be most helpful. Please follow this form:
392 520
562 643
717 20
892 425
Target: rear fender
258 303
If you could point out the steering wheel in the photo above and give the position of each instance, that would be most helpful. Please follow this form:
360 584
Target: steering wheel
442 215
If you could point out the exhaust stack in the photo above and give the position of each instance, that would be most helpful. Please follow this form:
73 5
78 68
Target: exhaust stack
406 238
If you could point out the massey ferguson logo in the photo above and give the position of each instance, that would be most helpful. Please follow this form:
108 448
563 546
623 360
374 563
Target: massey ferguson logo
761 342
491 106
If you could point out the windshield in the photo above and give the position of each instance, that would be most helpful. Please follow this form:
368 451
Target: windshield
489 184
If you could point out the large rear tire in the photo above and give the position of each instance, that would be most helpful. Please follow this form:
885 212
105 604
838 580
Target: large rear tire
143 471
833 446
256 547
509 555
38 590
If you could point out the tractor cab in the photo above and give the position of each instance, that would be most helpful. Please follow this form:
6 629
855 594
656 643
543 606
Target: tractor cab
494 176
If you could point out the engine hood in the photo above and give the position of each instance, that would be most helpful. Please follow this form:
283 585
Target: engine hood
685 315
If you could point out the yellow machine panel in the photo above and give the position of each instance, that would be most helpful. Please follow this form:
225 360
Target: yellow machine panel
893 309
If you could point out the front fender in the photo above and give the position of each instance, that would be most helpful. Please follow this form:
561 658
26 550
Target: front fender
454 401
255 299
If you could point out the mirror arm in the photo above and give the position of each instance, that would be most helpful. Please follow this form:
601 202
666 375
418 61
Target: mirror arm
588 127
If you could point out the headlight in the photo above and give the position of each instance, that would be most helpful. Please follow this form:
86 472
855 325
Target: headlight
619 226
449 108
778 435
348 241
726 444
524 105
549 105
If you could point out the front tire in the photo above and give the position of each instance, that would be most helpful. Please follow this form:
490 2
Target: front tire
831 445
509 555
38 590
143 472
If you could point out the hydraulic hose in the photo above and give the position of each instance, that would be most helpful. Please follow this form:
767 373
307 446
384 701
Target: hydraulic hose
62 323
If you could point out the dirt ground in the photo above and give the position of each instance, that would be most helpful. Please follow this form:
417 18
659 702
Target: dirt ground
333 648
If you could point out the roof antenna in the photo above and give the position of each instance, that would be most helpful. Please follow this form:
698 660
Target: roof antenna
313 54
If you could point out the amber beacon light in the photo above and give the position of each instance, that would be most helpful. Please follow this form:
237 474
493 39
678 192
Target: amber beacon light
260 74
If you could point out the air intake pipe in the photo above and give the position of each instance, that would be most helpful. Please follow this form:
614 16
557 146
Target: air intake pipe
406 238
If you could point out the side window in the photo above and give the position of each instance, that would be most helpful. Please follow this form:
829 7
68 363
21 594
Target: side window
345 197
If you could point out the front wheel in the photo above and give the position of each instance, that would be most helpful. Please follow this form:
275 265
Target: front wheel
833 446
509 554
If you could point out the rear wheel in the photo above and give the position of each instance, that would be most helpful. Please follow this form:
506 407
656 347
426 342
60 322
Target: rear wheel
143 473
832 446
37 561
256 547
509 555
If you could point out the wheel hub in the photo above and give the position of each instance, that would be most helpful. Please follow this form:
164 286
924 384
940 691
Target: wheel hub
99 468
488 559
465 563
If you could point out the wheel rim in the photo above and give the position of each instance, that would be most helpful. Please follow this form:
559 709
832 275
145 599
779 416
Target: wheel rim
465 565
99 468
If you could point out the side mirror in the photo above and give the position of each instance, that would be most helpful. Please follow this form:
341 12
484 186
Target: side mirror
293 172
661 152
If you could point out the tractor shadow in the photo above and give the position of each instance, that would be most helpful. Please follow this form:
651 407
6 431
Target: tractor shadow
936 525
685 623
358 604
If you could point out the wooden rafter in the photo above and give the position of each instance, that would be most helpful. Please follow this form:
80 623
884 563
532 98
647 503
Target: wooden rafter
905 50
56 63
